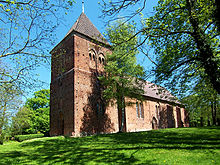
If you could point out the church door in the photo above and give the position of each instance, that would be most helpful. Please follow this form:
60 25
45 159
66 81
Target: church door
154 123
61 123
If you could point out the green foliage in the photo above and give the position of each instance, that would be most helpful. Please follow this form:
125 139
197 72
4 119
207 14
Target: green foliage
34 116
26 35
203 102
21 138
186 43
9 102
123 74
41 99
39 105
184 37
167 146
22 121
41 120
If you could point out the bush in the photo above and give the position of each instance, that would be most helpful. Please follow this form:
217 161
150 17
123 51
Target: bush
21 138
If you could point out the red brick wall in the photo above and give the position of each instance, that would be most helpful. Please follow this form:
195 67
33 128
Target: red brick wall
165 116
86 90
75 95
61 88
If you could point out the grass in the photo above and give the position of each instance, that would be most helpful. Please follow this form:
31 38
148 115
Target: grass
167 146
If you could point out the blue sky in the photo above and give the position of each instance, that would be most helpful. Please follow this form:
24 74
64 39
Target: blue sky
93 11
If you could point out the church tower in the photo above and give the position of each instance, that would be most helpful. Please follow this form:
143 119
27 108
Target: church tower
76 104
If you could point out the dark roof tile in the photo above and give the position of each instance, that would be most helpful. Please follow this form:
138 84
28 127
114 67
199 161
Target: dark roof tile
84 26
154 91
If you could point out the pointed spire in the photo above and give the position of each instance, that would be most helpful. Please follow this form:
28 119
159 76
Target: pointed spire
83 6
85 27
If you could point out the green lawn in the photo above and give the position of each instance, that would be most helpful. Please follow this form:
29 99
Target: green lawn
167 146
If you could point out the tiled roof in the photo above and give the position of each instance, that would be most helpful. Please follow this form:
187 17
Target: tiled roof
84 26
154 91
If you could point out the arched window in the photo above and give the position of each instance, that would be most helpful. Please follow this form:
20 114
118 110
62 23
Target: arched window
93 57
101 58
103 61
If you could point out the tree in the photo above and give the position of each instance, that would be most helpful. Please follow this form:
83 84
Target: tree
39 104
9 102
33 117
185 38
26 35
209 98
21 122
122 74
203 106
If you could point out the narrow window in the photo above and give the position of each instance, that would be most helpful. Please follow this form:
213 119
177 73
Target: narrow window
142 108
100 109
140 111
103 61
97 108
90 56
137 109
158 109
93 57
100 60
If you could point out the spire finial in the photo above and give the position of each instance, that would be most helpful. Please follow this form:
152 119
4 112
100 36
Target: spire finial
83 6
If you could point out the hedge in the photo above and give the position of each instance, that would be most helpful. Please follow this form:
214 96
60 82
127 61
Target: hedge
21 138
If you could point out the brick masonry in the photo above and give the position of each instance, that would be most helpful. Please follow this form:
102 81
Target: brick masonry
77 108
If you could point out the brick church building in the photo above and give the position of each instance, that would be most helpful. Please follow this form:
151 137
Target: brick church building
76 107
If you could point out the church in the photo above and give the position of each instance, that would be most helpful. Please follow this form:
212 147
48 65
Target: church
76 107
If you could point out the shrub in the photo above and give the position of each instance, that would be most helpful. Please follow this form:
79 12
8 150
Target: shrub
21 138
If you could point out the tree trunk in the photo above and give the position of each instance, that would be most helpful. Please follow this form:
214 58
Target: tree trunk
123 115
2 122
1 126
206 53
209 123
121 108
218 121
201 121
213 106
217 14
1 136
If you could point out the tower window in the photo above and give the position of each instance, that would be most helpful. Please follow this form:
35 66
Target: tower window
90 56
103 61
93 57
100 60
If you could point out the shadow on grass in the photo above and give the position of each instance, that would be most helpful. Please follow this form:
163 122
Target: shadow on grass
121 148
187 138
67 150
